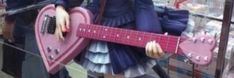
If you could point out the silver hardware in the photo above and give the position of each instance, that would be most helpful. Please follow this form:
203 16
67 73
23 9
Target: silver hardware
51 57
202 39
197 58
189 55
186 60
206 58
210 41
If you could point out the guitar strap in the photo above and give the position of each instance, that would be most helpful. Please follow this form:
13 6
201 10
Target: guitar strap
101 11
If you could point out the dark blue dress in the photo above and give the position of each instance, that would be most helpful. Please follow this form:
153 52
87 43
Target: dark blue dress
105 57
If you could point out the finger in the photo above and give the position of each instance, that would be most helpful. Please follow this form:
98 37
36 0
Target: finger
57 33
60 33
57 21
160 51
147 49
67 23
62 25
155 50
151 49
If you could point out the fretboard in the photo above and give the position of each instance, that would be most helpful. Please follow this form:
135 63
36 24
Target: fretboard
168 43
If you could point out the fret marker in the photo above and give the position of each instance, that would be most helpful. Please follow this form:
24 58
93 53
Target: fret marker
128 37
117 35
80 29
89 30
83 29
139 39
104 36
94 31
166 33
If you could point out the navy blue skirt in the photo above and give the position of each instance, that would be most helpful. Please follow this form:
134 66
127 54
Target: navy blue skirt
105 57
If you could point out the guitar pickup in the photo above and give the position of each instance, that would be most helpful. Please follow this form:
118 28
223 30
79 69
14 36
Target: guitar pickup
48 25
52 25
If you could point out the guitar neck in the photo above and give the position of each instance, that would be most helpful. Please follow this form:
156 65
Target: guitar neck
168 43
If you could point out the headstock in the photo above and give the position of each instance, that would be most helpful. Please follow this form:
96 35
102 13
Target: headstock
199 49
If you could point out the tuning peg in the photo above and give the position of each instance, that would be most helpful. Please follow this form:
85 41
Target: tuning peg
202 32
197 58
189 55
202 39
186 60
194 40
210 41
166 33
206 58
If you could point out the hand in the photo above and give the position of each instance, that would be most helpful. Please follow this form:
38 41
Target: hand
62 22
153 50
7 31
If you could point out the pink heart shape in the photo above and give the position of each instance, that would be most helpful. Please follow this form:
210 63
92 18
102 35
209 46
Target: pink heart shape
55 52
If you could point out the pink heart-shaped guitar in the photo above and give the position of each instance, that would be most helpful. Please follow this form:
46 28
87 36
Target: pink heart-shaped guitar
56 52
198 49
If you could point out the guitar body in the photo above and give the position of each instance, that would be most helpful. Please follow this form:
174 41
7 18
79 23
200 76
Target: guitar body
55 52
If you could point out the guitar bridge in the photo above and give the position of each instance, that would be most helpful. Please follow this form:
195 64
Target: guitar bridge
48 25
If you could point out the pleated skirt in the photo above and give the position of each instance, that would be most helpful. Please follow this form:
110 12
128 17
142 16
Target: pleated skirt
110 58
